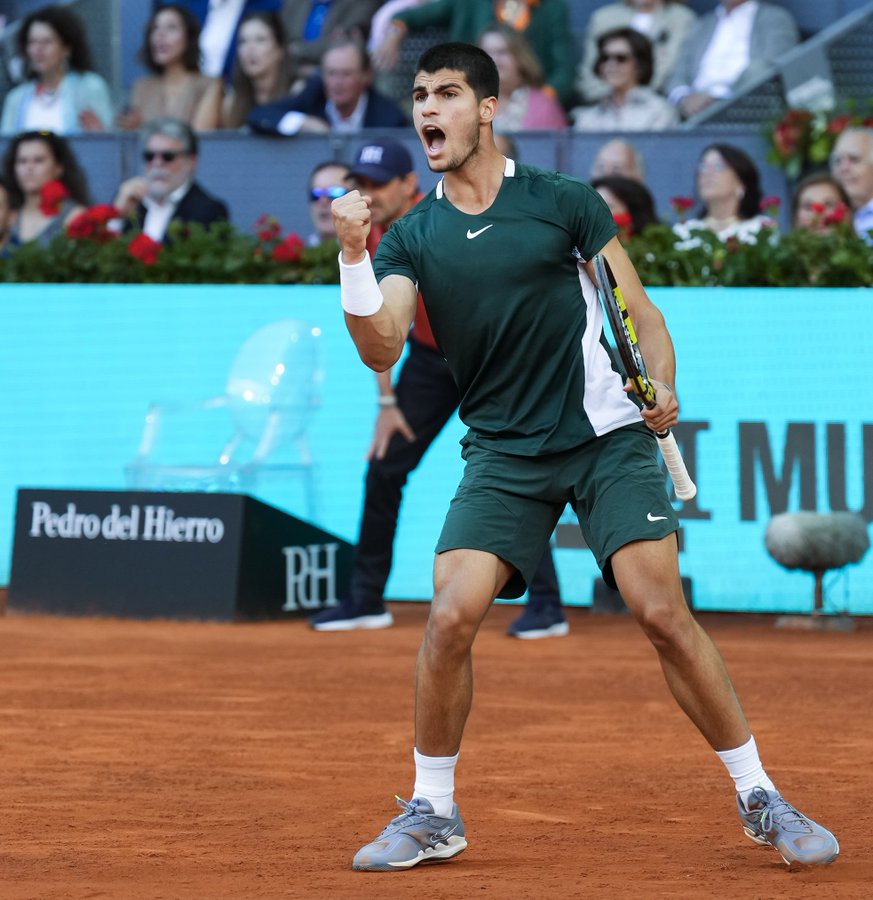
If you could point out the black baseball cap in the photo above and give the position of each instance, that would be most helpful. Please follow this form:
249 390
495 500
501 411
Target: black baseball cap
382 161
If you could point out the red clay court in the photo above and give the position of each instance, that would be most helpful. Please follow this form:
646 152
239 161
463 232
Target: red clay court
170 760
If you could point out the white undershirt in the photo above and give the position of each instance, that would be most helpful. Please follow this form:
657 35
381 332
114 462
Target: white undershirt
727 55
642 22
158 215
45 113
217 33
350 125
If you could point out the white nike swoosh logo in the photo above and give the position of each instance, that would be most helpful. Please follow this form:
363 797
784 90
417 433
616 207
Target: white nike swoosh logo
443 835
472 234
652 518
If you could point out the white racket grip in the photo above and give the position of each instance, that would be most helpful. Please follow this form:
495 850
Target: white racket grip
684 486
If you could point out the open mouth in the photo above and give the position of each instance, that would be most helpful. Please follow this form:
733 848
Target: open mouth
434 138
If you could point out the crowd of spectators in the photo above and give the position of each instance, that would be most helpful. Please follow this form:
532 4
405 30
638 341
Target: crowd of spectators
283 68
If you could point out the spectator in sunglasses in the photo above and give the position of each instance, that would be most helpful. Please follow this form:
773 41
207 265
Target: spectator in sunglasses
167 191
326 182
625 62
665 23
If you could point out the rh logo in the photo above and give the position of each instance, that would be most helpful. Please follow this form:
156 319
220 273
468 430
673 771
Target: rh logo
310 577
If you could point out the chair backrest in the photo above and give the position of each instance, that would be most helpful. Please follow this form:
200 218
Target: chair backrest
276 372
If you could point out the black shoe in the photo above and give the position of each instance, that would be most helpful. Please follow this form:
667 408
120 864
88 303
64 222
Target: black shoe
539 623
347 617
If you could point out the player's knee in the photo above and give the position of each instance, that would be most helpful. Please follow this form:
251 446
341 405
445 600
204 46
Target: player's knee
450 628
665 621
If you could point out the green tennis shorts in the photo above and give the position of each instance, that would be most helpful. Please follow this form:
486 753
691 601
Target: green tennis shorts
509 505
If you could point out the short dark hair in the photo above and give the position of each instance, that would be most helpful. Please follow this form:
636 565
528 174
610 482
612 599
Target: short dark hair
742 165
641 48
347 39
73 178
478 67
68 27
635 196
326 164
191 56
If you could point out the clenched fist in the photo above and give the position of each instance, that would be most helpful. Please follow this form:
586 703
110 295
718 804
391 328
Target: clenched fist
351 218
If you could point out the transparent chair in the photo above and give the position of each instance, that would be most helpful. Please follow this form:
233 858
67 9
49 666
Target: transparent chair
257 427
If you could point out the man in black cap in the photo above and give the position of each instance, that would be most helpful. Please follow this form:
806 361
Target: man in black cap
411 414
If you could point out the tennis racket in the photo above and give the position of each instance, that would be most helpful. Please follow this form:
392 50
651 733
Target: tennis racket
635 367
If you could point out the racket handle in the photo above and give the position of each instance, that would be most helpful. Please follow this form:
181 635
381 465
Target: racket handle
685 488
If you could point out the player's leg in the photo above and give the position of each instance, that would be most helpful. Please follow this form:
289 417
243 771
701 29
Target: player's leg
465 585
427 397
492 539
430 827
647 574
629 523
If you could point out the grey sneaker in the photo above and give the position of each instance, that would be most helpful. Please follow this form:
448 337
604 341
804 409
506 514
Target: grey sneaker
773 821
416 835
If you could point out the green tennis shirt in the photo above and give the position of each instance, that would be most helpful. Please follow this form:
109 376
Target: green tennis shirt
513 311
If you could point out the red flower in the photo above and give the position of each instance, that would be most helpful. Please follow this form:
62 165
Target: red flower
289 250
839 123
790 130
51 196
622 219
93 224
770 204
267 228
143 248
681 205
82 227
836 215
103 212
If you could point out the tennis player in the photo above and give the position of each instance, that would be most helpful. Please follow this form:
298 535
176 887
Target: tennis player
500 253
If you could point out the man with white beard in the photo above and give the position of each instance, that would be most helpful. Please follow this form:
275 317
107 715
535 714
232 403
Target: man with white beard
167 191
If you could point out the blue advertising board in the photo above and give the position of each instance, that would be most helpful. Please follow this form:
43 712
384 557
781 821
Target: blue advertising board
775 413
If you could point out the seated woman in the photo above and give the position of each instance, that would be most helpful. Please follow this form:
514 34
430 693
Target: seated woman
263 71
61 93
524 105
630 202
665 23
177 87
624 62
820 203
47 187
729 187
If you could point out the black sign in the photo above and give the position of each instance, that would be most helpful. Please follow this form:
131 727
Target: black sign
147 554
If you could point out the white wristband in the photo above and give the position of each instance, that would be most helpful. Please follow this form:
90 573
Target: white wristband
359 293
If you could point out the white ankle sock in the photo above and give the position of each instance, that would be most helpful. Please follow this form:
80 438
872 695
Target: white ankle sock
744 766
435 781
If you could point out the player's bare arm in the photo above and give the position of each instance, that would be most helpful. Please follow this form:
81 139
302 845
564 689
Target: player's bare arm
655 342
378 316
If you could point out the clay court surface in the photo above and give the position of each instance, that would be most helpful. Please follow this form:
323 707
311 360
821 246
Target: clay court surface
197 760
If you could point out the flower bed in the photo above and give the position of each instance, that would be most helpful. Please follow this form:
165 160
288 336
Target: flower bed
92 251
